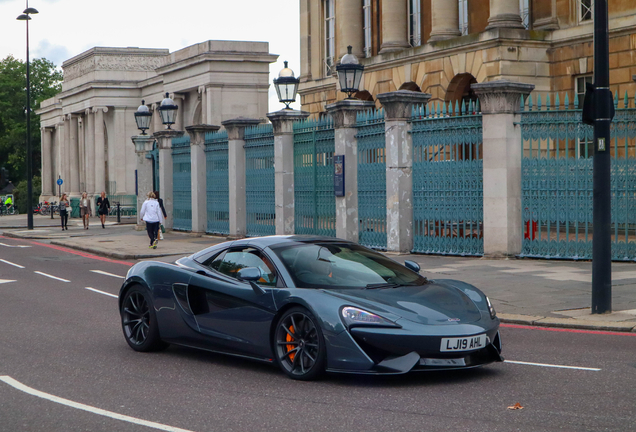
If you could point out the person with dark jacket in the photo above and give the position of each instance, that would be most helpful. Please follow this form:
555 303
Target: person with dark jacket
63 206
163 210
103 207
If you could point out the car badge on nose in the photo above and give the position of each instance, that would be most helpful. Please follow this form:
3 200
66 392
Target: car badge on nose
453 319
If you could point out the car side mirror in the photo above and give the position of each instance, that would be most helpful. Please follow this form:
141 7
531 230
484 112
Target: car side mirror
251 275
412 265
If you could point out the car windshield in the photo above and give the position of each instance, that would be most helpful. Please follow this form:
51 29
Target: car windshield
343 265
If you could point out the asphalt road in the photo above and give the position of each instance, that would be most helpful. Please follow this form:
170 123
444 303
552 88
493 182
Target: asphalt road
64 366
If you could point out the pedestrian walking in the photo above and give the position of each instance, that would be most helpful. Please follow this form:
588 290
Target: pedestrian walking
64 204
85 209
103 207
152 215
165 215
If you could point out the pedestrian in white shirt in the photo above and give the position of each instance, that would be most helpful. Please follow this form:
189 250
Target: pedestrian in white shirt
152 215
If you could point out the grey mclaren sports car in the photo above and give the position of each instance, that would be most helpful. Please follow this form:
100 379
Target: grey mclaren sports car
310 305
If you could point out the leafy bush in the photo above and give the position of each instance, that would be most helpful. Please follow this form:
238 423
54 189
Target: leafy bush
20 194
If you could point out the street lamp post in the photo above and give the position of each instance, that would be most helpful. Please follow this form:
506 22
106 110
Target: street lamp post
286 86
26 17
349 73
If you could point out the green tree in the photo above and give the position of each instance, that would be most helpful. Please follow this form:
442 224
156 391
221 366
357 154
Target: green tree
46 82
20 194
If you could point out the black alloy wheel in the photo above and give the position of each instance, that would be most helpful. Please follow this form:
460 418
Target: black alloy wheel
299 345
139 321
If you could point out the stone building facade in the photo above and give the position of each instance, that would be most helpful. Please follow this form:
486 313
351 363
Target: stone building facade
441 47
86 128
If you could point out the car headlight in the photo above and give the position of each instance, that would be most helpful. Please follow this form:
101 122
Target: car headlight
353 316
491 309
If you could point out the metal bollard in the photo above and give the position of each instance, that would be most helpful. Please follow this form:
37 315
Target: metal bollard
118 213
51 207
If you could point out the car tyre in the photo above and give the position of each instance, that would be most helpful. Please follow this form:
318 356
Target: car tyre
299 345
139 321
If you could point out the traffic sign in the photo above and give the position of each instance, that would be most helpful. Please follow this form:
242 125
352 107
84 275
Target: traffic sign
59 182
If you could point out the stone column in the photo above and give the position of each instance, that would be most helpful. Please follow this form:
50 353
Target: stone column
81 141
119 142
444 20
74 155
143 144
65 164
90 153
344 122
47 163
398 106
350 31
395 18
179 100
204 105
60 166
156 119
198 176
283 123
100 146
236 173
502 165
504 13
164 143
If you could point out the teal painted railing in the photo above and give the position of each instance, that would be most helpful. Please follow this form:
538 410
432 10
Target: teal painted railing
127 204
259 180
181 184
217 185
314 201
447 179
371 179
557 180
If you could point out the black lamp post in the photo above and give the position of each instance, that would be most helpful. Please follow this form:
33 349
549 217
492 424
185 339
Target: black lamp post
349 73
143 117
26 17
286 86
168 111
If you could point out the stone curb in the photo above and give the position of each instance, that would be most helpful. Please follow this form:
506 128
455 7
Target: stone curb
115 255
572 323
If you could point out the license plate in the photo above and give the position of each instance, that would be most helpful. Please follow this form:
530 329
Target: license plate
463 344
442 362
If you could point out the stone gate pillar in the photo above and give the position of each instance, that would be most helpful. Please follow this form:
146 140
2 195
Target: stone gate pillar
398 107
164 143
143 145
283 123
344 122
500 104
236 173
198 178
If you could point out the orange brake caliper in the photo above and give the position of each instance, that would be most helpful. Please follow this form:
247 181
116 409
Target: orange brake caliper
289 338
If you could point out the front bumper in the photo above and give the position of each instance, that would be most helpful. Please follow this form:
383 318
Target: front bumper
413 347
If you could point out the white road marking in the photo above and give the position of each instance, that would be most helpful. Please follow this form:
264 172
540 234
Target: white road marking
19 386
101 292
18 246
551 365
52 277
10 263
5 281
108 274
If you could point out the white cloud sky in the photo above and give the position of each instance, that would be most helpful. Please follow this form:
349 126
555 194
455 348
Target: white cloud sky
65 28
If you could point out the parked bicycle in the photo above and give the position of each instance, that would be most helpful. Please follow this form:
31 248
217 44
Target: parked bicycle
47 207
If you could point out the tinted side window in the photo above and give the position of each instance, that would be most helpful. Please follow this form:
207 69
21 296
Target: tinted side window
234 260
215 261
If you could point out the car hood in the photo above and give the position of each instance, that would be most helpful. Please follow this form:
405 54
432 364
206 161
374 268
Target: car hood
435 303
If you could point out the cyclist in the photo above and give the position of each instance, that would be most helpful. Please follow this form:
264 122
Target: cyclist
8 203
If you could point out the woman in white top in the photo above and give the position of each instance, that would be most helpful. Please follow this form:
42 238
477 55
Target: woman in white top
152 215
85 209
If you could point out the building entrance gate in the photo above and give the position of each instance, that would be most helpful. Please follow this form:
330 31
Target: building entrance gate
371 179
259 180
217 182
448 180
314 203
556 180
181 184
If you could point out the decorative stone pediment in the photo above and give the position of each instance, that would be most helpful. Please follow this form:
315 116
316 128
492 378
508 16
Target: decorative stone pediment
114 59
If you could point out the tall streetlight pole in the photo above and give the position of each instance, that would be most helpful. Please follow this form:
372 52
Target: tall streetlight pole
602 199
26 17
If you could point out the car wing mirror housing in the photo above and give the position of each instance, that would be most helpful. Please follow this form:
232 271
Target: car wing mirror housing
412 265
251 275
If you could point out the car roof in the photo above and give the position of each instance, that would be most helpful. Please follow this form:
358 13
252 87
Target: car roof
268 241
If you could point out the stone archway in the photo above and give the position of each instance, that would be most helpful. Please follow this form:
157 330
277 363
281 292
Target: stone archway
411 86
459 90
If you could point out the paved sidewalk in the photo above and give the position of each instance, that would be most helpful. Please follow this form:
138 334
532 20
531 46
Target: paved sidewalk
524 291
